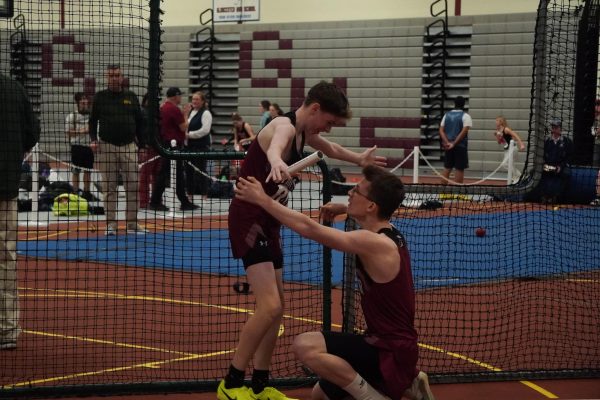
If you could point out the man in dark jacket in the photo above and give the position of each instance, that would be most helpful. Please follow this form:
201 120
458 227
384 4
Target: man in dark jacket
116 122
20 132
558 151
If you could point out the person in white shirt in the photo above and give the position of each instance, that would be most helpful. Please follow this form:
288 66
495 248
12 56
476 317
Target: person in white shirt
82 156
198 139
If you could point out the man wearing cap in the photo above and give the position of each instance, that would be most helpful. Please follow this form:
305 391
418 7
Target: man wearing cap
173 126
558 151
115 125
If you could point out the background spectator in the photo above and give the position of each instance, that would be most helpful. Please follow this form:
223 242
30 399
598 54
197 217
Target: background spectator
243 134
173 126
454 129
149 159
274 111
116 122
20 132
596 133
82 156
504 134
265 116
558 152
198 139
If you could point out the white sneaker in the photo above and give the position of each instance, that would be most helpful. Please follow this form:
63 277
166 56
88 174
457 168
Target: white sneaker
419 390
137 229
110 231
8 345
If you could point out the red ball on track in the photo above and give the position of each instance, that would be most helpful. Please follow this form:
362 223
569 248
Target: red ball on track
480 232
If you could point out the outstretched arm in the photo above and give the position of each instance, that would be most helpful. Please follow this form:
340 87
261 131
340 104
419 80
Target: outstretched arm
280 141
338 152
378 254
355 242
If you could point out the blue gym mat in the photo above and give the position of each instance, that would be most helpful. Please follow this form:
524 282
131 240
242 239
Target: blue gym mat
444 250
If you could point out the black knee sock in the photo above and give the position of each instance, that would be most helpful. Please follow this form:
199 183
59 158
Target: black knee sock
234 378
260 380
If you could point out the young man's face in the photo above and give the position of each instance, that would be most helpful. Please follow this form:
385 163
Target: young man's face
83 106
359 199
323 121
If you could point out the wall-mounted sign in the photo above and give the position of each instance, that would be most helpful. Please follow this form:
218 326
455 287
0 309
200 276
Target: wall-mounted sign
236 10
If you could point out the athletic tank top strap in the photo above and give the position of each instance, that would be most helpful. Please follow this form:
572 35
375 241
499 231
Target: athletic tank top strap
296 155
506 136
393 234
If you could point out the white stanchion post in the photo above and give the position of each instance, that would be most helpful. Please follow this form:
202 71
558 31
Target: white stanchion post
35 174
416 152
171 189
510 162
33 217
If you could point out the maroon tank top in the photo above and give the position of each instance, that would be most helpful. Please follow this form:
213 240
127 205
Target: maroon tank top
244 217
389 311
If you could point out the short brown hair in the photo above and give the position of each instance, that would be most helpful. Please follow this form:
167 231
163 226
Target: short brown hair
386 190
331 98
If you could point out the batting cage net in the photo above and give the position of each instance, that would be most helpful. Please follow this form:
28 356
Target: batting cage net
116 273
507 277
123 274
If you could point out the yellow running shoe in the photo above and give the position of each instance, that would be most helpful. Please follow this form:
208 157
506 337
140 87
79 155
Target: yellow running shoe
239 393
270 393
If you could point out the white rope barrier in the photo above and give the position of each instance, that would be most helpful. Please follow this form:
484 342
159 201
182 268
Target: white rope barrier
502 164
212 178
507 162
405 160
70 165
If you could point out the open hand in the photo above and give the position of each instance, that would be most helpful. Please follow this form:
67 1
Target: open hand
279 172
368 157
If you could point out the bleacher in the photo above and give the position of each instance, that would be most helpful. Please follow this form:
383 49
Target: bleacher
379 62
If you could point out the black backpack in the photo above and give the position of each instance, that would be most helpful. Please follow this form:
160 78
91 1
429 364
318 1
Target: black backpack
338 188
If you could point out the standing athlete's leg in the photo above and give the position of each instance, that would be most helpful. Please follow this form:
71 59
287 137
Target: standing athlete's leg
263 281
262 357
264 352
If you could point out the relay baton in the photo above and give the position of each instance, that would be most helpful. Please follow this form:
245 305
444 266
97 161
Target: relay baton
305 162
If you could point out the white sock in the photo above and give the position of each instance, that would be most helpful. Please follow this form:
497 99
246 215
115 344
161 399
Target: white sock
361 390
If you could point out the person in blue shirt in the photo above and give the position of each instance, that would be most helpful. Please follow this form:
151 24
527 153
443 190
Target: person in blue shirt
454 129
265 117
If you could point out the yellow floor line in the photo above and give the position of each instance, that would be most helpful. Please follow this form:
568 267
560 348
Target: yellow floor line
531 385
539 389
77 293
